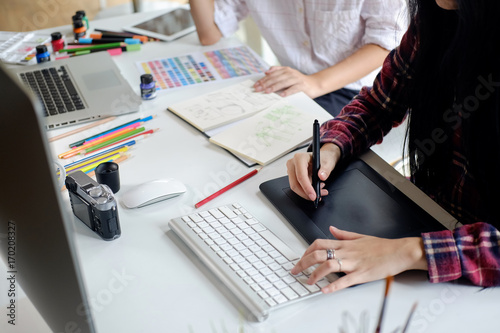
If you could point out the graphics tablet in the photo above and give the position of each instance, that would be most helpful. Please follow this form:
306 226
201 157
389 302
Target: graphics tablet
359 200
166 26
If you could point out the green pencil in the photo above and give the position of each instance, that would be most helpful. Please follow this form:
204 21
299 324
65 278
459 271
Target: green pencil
94 47
111 141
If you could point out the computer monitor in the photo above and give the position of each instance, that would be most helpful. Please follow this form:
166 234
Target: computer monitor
36 235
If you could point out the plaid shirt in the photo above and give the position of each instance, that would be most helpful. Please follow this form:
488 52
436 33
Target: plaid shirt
471 251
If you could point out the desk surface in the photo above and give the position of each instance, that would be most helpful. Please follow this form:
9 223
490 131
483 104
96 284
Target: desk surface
145 282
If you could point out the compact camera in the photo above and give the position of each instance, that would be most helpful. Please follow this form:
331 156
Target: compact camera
94 204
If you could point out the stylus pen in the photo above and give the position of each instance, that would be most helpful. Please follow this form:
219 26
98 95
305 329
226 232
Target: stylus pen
316 162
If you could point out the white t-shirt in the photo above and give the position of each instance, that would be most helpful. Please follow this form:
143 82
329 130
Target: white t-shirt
311 35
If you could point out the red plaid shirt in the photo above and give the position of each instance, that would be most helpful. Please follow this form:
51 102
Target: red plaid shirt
471 251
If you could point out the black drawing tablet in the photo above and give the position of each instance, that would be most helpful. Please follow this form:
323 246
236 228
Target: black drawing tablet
359 200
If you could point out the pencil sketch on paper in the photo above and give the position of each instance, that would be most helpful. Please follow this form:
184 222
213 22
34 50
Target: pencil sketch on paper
224 106
280 124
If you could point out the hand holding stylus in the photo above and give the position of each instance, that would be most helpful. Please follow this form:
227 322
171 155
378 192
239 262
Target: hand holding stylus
299 170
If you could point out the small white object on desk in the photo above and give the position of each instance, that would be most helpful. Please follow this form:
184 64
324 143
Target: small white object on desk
152 192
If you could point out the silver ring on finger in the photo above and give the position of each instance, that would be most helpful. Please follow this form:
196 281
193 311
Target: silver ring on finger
330 254
339 261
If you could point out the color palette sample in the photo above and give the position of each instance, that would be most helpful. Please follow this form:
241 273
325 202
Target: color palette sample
202 67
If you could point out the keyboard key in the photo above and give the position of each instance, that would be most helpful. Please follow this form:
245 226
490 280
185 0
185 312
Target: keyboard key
299 289
227 212
289 293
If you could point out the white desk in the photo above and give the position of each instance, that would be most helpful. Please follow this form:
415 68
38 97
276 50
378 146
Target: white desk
145 282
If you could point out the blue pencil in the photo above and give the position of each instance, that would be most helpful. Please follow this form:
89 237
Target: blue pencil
129 143
81 142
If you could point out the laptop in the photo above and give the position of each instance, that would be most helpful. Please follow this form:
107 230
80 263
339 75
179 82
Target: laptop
79 89
254 263
36 234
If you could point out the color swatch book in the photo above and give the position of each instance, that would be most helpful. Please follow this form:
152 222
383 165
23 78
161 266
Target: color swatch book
202 67
271 133
223 106
19 47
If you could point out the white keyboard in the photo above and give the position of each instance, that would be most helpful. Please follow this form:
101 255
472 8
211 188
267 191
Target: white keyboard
230 236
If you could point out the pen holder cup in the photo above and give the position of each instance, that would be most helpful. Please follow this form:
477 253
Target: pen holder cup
107 173
60 174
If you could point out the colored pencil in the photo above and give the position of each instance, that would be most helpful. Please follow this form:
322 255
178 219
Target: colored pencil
81 164
228 187
111 150
81 129
98 144
135 137
93 47
87 41
388 282
110 135
111 51
81 142
111 34
94 165
120 135
91 173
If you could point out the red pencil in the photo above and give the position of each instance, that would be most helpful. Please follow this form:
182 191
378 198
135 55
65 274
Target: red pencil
228 187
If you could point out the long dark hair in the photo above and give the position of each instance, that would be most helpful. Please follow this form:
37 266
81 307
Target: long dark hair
458 51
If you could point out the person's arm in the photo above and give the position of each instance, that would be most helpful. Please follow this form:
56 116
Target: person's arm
202 12
359 64
375 110
471 252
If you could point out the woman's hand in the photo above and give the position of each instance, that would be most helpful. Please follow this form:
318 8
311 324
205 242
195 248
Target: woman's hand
363 258
299 170
289 80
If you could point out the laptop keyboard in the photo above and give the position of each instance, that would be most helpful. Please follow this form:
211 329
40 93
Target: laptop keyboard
253 253
55 89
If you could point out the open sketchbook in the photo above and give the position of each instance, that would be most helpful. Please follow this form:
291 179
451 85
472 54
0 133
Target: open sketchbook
223 106
255 127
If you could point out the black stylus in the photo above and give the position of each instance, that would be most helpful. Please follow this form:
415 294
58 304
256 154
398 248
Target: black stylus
316 162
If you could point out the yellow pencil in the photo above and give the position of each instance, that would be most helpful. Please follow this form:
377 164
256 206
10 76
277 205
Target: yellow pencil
94 165
79 165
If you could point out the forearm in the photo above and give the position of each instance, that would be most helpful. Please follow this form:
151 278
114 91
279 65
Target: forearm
202 12
359 64
471 251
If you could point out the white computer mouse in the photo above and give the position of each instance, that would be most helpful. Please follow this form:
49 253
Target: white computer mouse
151 192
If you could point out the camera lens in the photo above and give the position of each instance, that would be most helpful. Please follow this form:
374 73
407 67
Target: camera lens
107 173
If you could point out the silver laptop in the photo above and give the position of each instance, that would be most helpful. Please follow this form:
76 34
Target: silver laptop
79 89
36 234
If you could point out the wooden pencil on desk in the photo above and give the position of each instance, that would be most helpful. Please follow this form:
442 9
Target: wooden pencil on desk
81 129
